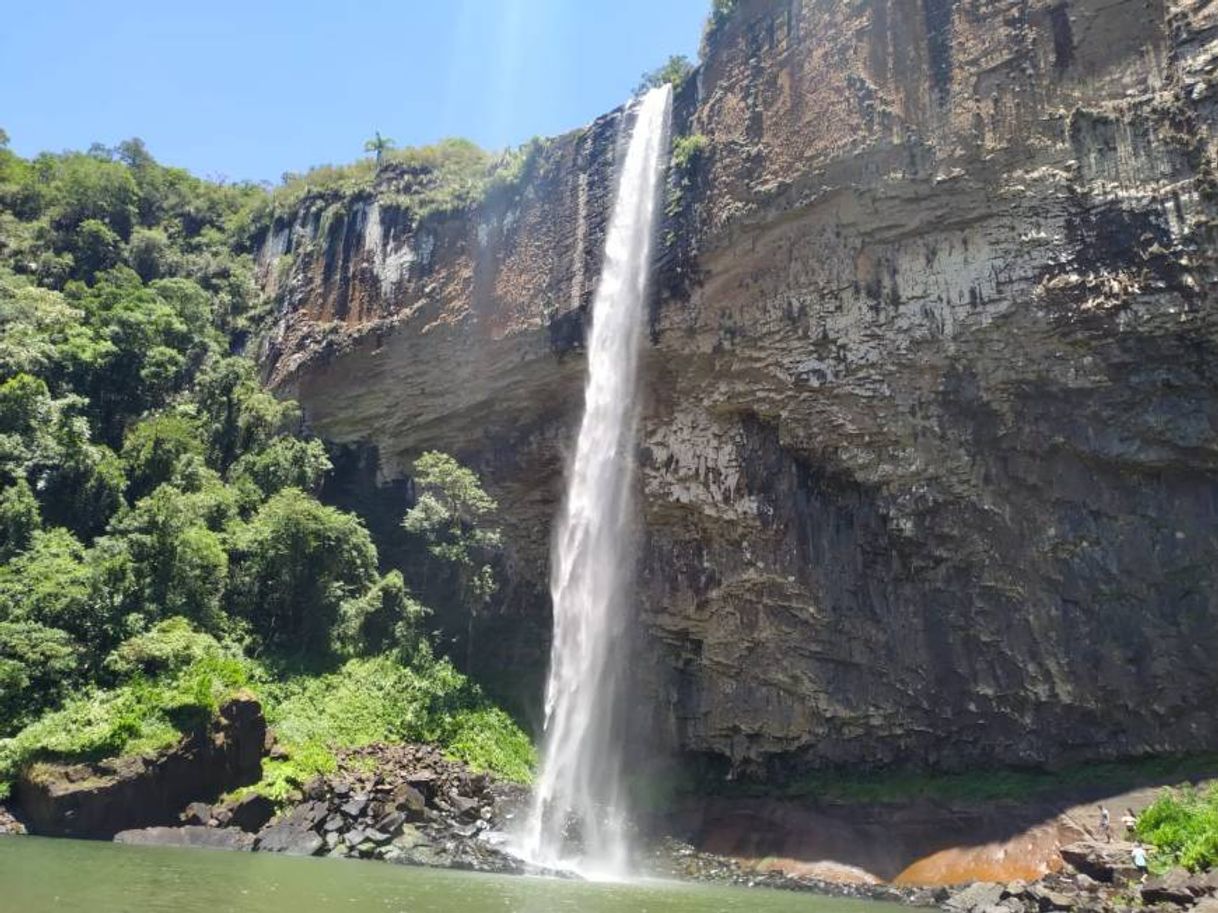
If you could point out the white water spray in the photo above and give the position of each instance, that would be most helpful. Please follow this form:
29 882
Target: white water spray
592 555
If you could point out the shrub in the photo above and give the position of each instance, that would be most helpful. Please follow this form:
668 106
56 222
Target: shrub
687 149
170 646
1183 826
382 699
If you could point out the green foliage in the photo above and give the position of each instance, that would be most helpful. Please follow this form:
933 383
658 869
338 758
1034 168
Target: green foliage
452 515
19 519
239 416
155 504
179 565
451 511
487 739
687 149
140 715
448 176
57 583
382 699
285 462
170 646
1183 826
673 72
297 562
37 664
384 618
155 447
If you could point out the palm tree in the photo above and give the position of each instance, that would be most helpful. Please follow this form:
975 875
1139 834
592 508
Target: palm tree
378 144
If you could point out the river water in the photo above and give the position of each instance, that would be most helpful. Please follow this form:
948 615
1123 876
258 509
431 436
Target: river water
40 875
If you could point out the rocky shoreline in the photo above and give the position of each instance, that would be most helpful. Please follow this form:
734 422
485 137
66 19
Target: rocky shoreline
407 804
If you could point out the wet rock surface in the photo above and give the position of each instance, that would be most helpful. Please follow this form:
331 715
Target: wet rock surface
405 804
10 825
670 858
189 835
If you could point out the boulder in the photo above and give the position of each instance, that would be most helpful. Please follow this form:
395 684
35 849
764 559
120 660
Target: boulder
294 833
289 839
198 813
1204 884
407 798
976 898
252 813
1174 887
217 838
463 807
9 825
1047 899
1102 861
389 823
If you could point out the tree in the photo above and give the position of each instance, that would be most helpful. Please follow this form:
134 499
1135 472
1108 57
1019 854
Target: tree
674 71
36 665
178 564
297 563
19 519
285 462
385 617
378 144
56 583
239 417
153 449
94 248
451 515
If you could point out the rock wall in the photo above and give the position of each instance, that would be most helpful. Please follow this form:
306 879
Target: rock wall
930 442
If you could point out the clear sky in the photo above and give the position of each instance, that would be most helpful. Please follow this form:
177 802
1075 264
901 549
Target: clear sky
248 90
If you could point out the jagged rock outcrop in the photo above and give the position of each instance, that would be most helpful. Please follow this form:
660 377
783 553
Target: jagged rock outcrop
929 447
104 798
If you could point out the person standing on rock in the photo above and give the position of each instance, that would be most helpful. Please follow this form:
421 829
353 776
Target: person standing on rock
1129 821
1105 824
1139 860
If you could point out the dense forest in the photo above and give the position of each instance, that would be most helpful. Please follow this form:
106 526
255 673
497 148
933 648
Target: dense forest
162 541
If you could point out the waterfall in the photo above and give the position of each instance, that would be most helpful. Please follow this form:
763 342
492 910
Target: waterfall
592 555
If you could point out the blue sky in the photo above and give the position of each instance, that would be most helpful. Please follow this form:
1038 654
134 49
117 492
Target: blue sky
248 90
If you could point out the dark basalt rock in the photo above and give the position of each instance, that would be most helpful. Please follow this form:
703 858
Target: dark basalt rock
103 798
252 813
217 838
1173 887
366 809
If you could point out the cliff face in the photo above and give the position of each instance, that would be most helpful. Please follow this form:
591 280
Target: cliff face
929 458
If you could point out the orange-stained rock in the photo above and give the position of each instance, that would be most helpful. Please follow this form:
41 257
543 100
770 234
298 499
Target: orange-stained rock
1026 857
823 870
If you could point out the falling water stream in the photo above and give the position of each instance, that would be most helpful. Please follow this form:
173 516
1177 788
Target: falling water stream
592 555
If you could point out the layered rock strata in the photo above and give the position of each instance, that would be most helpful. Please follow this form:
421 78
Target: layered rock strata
929 454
